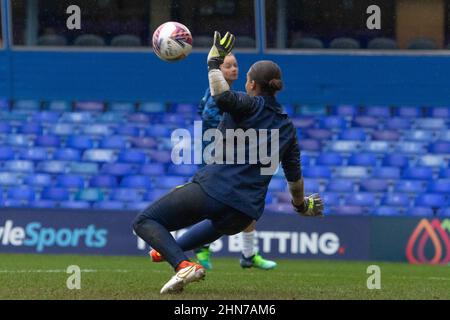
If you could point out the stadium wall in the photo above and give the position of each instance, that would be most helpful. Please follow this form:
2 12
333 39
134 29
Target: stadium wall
139 76
402 239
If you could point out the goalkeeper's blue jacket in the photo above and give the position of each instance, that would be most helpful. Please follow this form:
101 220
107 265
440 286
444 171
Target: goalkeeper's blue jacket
242 186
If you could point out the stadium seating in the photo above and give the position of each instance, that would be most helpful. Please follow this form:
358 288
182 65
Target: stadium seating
377 160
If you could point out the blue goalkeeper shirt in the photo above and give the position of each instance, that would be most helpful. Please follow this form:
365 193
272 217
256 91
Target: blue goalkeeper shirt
242 186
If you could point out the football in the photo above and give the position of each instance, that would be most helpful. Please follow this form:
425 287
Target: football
172 41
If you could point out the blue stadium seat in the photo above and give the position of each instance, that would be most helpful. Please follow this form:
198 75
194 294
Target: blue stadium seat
126 195
396 160
366 122
97 130
439 186
386 211
139 118
4 104
103 181
391 173
29 105
280 208
99 155
408 112
378 111
109 205
174 119
319 134
311 185
136 182
418 173
440 147
125 107
143 142
11 203
304 122
18 166
305 160
188 108
152 107
444 135
62 129
352 172
277 185
182 170
444 212
158 131
410 186
79 142
114 142
431 123
432 160
440 112
155 194
330 159
30 128
398 124
75 205
92 106
332 122
53 166
363 159
348 210
118 169
309 145
77 117
48 141
56 194
129 131
34 154
111 117
419 212
169 182
6 153
38 180
132 156
152 169
346 110
374 185
137 206
46 117
355 134
340 185
9 179
386 135
58 106
90 195
444 173
70 181
377 147
410 147
43 204
395 200
330 199
5 128
24 193
364 199
18 140
419 135
84 168
431 200
344 146
317 172
67 155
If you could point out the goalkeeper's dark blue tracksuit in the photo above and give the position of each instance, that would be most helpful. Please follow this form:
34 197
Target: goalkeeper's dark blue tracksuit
222 199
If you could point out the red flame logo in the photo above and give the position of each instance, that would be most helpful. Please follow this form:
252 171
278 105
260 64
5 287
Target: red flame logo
424 232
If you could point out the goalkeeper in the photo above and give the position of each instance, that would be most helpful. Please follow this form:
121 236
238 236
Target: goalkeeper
211 116
224 199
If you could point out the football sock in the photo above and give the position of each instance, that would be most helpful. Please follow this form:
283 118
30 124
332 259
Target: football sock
248 244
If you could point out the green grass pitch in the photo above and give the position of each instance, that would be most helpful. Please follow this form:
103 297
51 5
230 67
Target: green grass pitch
45 277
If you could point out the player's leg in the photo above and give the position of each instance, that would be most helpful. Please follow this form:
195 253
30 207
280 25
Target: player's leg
250 255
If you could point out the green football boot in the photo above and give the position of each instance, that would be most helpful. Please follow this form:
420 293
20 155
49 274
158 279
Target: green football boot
257 261
203 257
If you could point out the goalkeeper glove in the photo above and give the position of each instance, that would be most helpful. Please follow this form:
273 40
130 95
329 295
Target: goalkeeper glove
312 206
220 49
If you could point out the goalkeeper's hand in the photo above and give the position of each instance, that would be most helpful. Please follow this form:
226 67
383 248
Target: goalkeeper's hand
220 49
311 207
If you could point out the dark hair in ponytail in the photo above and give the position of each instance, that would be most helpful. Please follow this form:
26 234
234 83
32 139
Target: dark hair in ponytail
267 74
